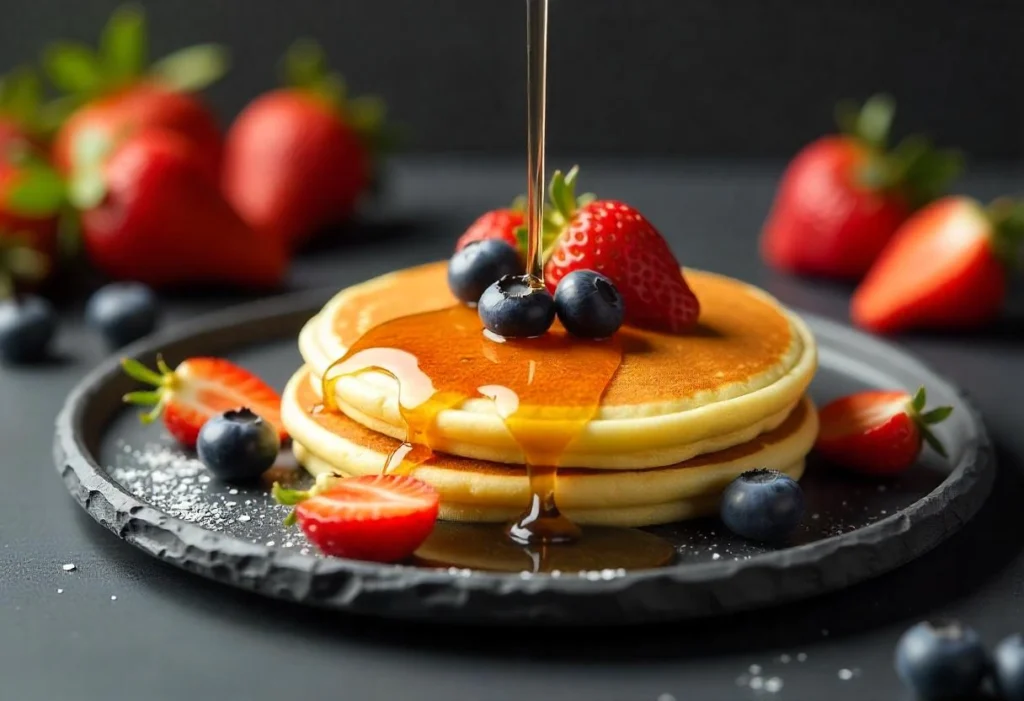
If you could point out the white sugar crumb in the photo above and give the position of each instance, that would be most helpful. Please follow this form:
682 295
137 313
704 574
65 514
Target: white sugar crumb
715 556
113 598
848 674
755 669
785 659
244 518
801 657
756 683
60 591
70 567
773 685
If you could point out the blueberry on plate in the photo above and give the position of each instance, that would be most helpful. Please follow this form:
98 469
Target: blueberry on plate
27 325
122 312
472 269
238 446
514 308
1008 660
589 305
941 660
763 505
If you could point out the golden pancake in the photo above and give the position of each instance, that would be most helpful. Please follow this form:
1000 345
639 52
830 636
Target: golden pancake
475 490
667 398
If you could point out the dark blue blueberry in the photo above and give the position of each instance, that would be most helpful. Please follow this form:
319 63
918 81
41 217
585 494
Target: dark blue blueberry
943 660
763 505
122 312
589 305
238 446
27 326
1008 660
475 267
513 308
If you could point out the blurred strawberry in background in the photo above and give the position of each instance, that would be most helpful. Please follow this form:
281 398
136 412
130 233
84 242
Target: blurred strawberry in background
946 268
116 91
298 159
843 196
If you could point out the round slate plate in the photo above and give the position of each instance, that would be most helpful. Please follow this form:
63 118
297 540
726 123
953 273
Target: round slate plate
134 481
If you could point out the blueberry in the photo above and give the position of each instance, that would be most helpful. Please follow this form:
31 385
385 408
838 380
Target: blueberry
475 267
238 446
943 660
27 326
122 312
589 305
763 505
1009 667
514 308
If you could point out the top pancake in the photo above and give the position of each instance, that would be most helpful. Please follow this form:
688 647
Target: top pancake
744 368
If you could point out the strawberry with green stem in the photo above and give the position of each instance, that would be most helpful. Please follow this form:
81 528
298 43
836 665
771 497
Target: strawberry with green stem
298 159
505 224
879 432
186 396
114 90
377 518
617 241
843 196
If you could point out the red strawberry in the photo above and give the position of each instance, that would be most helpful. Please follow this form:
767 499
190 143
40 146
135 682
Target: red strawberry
200 388
944 269
505 224
878 433
843 197
298 159
118 93
150 214
379 518
615 240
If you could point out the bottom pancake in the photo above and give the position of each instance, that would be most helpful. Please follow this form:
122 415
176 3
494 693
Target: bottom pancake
627 517
478 491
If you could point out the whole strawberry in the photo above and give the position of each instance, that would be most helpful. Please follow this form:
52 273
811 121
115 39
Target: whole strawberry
505 224
843 196
298 159
878 432
114 91
150 214
187 396
614 239
946 268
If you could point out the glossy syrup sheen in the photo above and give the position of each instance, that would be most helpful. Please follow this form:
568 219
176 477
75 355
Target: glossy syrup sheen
441 358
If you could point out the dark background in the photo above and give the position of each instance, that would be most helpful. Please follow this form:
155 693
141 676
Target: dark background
694 78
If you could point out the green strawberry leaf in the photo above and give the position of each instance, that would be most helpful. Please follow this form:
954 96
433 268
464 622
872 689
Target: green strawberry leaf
305 64
123 45
38 192
932 441
21 94
920 399
193 68
937 415
73 68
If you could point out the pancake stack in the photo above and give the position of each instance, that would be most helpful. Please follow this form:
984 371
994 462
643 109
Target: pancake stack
681 417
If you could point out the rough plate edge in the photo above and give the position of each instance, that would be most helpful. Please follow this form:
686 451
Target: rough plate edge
395 591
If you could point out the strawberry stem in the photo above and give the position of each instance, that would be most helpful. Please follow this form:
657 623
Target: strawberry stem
289 497
925 420
1007 217
137 371
142 398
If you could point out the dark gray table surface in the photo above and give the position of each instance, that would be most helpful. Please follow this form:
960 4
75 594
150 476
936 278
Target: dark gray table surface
169 636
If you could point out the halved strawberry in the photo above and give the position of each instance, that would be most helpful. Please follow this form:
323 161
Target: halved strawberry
878 432
505 224
379 518
616 240
198 389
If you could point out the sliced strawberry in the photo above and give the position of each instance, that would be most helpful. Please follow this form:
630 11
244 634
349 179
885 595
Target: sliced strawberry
878 432
379 518
505 224
944 269
198 389
615 240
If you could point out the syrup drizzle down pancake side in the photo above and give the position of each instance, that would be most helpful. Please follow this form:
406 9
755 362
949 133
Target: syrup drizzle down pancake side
442 358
